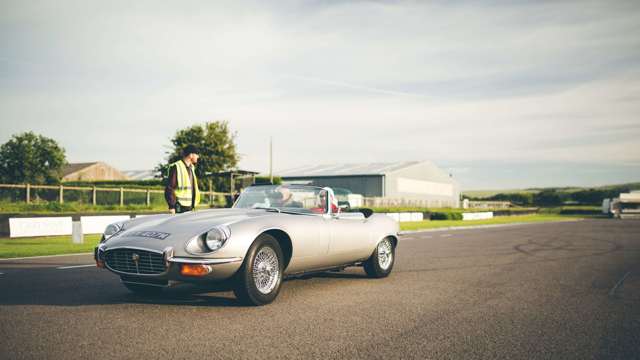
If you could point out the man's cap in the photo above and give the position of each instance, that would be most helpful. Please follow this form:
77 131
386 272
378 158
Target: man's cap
189 149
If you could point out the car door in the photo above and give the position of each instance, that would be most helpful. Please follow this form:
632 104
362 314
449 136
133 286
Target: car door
310 238
349 235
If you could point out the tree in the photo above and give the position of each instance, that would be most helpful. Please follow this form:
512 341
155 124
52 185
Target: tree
215 142
31 158
548 198
522 199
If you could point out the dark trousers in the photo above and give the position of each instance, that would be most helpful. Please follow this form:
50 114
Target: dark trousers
182 209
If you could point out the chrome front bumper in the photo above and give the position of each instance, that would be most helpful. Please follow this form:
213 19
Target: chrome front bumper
221 268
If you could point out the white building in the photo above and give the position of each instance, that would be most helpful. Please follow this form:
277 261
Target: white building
403 183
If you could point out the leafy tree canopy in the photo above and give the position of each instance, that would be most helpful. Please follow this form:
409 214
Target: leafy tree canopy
215 142
31 158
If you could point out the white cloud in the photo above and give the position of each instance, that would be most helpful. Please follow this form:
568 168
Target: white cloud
390 81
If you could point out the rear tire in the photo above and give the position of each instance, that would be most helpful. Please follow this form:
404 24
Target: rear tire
381 261
145 290
259 278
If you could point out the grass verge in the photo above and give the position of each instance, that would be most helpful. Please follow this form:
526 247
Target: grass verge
420 225
46 245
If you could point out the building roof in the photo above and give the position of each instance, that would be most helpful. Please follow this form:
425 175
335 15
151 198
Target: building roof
75 167
151 174
234 172
140 174
346 169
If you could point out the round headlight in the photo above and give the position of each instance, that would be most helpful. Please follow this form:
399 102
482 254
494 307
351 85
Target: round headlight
215 238
111 230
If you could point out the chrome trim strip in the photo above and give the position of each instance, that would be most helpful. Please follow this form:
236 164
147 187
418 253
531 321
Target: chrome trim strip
134 248
204 261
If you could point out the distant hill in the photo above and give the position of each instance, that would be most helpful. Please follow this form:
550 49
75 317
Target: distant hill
554 196
479 194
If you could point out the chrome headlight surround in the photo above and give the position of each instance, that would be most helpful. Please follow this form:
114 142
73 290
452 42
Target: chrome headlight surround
112 230
210 241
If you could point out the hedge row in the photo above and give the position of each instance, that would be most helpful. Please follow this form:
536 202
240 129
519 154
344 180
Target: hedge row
133 184
558 196
448 210
451 215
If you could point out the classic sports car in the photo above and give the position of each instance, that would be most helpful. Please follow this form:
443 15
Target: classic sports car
270 233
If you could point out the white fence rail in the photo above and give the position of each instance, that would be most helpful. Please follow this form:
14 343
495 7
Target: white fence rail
60 225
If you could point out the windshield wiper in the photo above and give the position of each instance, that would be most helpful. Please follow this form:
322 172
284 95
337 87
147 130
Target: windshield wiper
268 208
273 209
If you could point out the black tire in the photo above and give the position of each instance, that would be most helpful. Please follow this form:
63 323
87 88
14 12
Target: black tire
145 290
246 290
374 265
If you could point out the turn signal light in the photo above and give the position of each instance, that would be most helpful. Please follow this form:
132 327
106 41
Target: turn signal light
194 269
100 263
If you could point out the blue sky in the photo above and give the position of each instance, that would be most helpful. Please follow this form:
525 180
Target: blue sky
502 93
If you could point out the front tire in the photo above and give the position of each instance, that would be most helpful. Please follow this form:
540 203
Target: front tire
260 277
380 263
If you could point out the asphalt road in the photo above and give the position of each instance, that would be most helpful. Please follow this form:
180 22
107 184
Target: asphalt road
561 290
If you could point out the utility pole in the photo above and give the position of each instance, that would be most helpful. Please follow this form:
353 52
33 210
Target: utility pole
271 159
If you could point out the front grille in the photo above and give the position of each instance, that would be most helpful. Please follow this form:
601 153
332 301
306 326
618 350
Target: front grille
123 260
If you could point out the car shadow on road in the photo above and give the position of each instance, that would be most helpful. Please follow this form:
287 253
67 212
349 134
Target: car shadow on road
109 291
120 296
337 275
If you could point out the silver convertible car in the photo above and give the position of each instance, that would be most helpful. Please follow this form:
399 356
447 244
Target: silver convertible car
270 233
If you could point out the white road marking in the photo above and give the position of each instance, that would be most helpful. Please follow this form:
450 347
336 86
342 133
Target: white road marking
44 256
445 235
74 266
613 290
406 238
1 273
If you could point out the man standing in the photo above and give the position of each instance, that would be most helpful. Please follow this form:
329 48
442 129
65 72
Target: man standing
182 193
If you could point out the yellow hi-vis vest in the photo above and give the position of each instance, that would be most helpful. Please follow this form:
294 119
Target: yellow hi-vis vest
183 191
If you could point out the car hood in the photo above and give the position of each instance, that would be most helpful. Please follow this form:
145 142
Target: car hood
159 231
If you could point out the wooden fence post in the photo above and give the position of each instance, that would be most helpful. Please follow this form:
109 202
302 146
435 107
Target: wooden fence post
210 192
121 196
148 197
28 193
61 194
93 196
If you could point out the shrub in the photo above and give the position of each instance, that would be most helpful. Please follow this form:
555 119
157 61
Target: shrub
548 198
265 180
446 215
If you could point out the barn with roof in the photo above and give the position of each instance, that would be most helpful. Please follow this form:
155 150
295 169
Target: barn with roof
91 171
407 182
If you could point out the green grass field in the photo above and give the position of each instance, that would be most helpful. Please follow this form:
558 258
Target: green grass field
420 225
47 245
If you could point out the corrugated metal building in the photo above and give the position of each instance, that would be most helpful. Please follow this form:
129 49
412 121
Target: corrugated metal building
418 181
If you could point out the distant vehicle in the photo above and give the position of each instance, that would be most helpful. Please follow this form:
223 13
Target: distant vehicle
270 233
347 199
626 206
342 195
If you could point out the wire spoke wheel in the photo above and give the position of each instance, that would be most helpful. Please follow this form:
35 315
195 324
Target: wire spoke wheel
266 270
385 254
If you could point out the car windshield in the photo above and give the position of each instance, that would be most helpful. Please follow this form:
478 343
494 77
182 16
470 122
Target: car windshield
289 198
